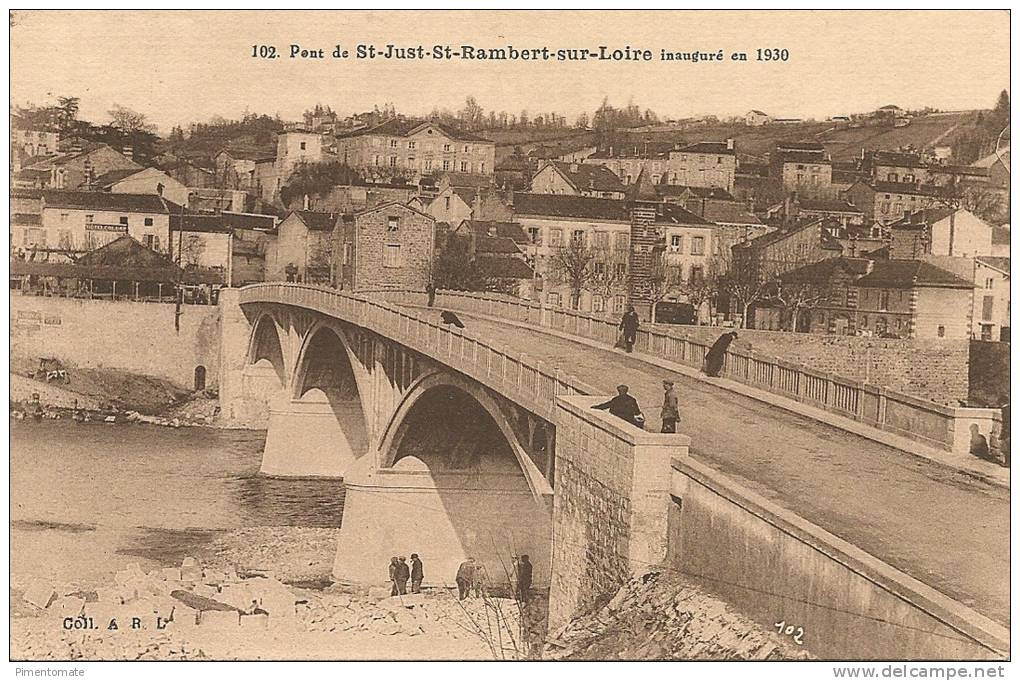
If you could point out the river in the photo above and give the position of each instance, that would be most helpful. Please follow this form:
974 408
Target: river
89 499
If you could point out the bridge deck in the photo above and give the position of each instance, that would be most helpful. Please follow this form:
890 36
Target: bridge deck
942 527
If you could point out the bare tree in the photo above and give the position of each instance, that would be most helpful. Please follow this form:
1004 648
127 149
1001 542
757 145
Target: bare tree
609 273
698 288
987 204
664 279
573 264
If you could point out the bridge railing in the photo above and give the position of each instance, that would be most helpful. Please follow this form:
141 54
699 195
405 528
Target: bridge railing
510 373
932 424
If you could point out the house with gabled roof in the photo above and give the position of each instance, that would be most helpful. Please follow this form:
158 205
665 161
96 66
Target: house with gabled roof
578 179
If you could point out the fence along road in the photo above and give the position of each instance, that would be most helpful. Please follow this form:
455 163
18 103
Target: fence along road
942 527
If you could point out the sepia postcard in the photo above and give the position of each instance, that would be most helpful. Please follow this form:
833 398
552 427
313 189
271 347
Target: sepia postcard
510 335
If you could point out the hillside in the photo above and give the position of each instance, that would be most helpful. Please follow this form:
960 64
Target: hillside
842 142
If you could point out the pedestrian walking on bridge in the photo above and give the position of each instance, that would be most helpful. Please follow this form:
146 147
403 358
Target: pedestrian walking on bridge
670 408
629 326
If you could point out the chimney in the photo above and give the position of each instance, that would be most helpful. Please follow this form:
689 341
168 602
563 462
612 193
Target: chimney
476 206
305 202
729 143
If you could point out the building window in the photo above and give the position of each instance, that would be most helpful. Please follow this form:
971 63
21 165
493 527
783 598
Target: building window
89 219
391 255
411 145
598 304
989 282
393 144
553 298
393 161
392 224
481 168
618 303
942 332
602 240
428 164
698 245
375 159
599 268
463 166
893 177
535 234
303 144
697 274
148 222
987 305
621 269
577 236
64 216
864 322
883 300
467 148
123 220
347 252
555 237
676 242
446 165
623 242
447 198
152 242
410 161
446 147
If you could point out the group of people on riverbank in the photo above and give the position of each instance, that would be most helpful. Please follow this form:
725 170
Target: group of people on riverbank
401 573
471 578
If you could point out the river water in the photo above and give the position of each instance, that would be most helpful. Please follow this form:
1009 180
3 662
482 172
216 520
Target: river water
89 498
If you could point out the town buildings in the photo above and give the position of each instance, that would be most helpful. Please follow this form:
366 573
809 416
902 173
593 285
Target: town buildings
578 179
145 181
886 202
74 222
411 148
72 171
940 231
389 246
704 164
756 118
304 248
802 167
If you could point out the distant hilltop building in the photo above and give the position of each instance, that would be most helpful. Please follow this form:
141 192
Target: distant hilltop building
756 118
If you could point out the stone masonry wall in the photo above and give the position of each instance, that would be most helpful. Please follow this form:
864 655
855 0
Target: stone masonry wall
415 235
591 507
610 506
135 337
931 369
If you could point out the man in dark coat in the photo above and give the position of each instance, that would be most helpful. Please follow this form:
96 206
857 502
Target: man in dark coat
524 570
417 574
403 573
629 325
716 354
450 318
465 578
624 406
430 289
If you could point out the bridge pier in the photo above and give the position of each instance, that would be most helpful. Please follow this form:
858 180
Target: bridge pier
443 517
306 438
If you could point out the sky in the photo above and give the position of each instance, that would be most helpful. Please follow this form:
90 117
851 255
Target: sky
179 67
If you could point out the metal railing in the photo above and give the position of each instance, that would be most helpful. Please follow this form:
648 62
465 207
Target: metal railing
523 380
932 424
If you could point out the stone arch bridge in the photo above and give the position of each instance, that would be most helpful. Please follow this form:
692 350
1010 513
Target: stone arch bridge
448 446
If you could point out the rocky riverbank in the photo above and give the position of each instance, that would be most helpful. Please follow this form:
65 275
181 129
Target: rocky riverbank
197 611
659 616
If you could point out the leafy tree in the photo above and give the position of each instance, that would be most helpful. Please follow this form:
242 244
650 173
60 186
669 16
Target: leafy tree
317 179
129 121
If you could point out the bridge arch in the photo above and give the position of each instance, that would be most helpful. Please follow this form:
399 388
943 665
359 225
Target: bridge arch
454 417
264 344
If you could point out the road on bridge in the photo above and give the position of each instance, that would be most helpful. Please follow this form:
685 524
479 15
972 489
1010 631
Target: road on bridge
940 526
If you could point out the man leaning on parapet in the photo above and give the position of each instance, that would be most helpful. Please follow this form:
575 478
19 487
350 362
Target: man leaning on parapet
624 406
